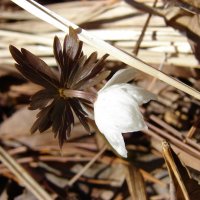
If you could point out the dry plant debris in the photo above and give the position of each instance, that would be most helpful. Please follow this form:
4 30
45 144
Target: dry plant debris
85 169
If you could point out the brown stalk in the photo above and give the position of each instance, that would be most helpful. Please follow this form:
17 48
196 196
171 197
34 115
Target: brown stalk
189 159
139 41
135 183
176 133
175 141
107 160
96 157
180 192
193 129
23 176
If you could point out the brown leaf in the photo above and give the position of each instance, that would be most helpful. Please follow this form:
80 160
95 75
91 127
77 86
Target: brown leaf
14 125
184 187
135 183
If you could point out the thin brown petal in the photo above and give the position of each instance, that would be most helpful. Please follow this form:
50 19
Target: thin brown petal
72 50
43 122
80 113
41 98
65 127
57 49
97 68
39 65
62 120
30 72
75 66
94 81
89 64
81 62
56 115
93 71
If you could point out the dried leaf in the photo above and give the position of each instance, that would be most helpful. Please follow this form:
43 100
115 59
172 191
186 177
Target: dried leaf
15 125
184 187
135 183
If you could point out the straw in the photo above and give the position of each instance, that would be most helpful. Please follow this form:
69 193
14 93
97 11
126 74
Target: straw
63 24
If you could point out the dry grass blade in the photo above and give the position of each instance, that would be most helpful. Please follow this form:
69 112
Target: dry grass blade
23 176
178 185
183 187
135 183
61 23
96 157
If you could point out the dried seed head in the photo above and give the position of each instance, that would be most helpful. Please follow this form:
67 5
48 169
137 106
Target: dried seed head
64 95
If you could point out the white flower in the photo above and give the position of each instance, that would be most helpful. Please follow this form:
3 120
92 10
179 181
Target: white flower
116 109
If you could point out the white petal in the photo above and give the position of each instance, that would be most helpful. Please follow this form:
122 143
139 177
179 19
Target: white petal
140 95
121 76
117 142
117 112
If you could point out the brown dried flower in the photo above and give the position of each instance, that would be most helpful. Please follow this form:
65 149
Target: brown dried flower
65 93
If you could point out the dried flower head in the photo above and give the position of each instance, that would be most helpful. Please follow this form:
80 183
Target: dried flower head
66 92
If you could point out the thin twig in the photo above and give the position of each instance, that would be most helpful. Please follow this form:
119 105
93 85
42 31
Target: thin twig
63 24
175 132
187 158
193 129
77 176
23 176
139 41
185 147
135 183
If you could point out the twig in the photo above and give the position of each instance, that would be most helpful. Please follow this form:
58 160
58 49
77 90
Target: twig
62 24
23 176
77 176
185 147
139 41
135 183
106 160
174 132
178 173
188 159
193 129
